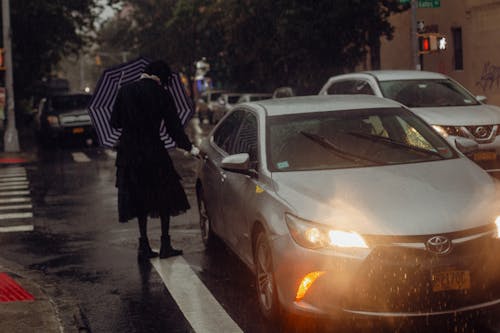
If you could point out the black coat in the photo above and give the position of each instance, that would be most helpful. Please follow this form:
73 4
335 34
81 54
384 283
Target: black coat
146 178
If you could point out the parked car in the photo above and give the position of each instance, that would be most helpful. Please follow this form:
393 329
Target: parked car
450 108
64 116
350 205
225 103
205 104
252 97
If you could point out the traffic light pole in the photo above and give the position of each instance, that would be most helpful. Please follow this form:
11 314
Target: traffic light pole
414 39
11 141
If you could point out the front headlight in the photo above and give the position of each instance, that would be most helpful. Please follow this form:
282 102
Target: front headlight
497 223
315 236
440 130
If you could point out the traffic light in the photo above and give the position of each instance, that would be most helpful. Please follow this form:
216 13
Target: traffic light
431 42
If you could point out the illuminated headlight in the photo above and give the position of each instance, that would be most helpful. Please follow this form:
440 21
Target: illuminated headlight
497 223
440 130
315 236
53 121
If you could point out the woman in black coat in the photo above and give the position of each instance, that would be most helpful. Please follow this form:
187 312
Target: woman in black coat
147 182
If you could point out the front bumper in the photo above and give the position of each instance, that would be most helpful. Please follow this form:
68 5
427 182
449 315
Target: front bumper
387 281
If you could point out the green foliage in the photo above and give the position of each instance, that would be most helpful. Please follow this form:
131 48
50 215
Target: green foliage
45 31
261 44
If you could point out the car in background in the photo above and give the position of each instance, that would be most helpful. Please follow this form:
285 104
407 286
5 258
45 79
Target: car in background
206 103
225 103
252 97
64 116
450 108
350 205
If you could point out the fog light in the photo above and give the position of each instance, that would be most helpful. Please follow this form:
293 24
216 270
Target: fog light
306 283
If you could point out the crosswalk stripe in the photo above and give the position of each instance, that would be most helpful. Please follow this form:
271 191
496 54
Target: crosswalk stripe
17 228
80 157
4 194
12 207
9 200
198 305
13 187
10 175
14 183
13 179
10 216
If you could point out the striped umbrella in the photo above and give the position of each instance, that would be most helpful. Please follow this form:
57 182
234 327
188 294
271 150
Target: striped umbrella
101 103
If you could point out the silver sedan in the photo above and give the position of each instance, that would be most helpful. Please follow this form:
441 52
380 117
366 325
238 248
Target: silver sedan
350 205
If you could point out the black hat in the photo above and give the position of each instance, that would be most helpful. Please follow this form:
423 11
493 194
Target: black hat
159 68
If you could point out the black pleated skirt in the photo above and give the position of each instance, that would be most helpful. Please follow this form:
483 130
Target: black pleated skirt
149 190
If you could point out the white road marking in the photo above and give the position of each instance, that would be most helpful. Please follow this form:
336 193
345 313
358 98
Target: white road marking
9 200
13 179
12 207
17 228
14 183
11 216
198 305
80 157
3 194
13 187
8 175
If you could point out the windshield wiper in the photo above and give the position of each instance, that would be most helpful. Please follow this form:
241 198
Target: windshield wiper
393 142
324 142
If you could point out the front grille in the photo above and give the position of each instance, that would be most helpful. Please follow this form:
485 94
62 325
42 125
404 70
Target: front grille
482 132
398 279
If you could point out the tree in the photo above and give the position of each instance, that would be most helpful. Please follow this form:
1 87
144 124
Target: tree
45 31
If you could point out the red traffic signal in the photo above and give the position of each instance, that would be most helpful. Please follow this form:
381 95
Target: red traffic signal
424 44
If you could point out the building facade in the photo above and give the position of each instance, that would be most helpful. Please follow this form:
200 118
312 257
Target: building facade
472 56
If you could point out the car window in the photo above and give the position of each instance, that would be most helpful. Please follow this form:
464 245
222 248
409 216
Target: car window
427 93
246 140
341 87
225 134
233 99
351 139
258 97
69 102
363 87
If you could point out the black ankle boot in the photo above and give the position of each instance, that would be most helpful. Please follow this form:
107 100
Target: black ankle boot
166 249
144 251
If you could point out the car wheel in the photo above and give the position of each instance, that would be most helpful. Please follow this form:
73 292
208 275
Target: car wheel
207 235
266 287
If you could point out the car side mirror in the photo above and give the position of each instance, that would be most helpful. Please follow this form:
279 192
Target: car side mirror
481 98
466 146
239 163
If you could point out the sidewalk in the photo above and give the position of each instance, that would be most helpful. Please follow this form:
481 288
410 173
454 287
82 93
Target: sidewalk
28 303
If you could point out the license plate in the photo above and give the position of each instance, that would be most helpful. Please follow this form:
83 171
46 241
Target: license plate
485 156
78 130
450 280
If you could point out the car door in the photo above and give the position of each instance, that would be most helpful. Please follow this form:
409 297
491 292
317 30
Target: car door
239 190
213 175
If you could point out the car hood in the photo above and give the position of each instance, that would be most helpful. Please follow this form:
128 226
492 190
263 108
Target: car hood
460 115
410 199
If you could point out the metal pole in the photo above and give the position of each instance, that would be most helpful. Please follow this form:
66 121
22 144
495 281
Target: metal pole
414 40
11 141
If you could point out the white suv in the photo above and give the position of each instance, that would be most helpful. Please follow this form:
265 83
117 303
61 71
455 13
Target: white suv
442 102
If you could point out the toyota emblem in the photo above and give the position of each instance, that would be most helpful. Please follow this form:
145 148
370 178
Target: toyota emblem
481 132
438 245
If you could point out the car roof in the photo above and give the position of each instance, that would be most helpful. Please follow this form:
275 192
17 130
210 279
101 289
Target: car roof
389 75
318 103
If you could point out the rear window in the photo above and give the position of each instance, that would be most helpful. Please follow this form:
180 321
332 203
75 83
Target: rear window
70 102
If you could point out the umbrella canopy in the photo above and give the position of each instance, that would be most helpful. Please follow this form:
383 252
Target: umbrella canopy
101 103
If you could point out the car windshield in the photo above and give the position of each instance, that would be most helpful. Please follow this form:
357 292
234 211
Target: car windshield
69 102
427 93
351 139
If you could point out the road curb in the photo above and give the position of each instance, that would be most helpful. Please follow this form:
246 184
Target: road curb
53 308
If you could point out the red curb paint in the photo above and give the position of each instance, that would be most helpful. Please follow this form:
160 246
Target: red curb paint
10 291
12 160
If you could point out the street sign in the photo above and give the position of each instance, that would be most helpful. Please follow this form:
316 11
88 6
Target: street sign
429 3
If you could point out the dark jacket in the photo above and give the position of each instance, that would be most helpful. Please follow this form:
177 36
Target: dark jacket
146 178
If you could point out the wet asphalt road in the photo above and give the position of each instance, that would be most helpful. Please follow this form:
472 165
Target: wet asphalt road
78 246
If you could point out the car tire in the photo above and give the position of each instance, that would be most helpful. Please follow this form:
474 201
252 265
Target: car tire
207 235
267 296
